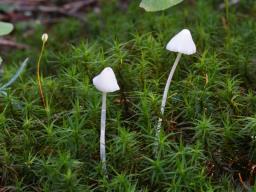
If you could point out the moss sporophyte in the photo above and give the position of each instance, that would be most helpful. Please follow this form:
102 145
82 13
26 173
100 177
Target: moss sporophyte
39 81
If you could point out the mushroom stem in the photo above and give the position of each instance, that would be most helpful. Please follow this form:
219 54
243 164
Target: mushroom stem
165 94
102 132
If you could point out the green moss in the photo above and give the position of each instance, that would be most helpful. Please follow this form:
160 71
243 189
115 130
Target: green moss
210 115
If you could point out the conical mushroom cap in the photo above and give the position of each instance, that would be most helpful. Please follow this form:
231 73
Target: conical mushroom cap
182 43
106 81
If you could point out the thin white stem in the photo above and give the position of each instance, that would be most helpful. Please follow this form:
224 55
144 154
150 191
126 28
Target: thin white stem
165 94
102 133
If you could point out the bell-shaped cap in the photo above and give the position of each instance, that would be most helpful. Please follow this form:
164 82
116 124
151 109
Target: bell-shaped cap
106 81
182 43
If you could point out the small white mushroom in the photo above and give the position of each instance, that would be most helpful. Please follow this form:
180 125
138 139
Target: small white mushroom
105 82
183 44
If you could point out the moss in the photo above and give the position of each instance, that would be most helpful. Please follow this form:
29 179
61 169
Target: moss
210 117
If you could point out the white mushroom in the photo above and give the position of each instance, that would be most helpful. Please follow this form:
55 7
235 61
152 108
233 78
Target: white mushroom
183 44
105 82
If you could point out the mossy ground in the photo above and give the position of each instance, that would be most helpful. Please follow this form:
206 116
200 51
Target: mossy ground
208 138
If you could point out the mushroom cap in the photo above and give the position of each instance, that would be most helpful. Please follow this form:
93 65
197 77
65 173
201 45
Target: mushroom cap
182 43
106 81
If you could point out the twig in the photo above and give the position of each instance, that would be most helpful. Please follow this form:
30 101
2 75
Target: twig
75 6
242 182
17 74
11 43
231 2
21 1
50 9
69 9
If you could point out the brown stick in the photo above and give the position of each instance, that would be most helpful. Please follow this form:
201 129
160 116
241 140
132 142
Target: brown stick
241 181
14 44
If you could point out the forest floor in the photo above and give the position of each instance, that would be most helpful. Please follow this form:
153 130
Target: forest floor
208 135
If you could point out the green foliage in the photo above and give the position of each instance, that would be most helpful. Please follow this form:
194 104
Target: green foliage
209 126
5 28
153 5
